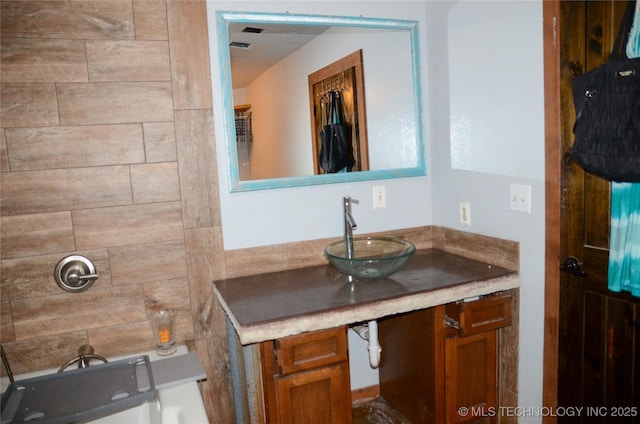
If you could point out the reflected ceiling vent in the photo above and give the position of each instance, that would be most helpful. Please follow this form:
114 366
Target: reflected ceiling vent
253 30
239 45
245 45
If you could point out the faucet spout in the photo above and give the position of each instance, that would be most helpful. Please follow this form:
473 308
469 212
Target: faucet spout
349 225
85 355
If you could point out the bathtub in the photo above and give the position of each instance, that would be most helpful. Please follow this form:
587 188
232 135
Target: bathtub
175 405
177 402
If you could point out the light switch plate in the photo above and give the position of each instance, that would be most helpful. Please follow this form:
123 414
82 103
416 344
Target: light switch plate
465 213
520 198
379 197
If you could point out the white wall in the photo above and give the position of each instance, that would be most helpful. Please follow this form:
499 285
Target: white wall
483 78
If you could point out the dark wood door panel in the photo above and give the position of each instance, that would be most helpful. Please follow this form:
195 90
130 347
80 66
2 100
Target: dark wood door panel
598 333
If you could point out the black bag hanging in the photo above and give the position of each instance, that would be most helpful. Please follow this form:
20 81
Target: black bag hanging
335 138
607 104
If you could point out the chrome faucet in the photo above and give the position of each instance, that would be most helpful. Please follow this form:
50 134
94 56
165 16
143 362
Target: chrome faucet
349 225
85 355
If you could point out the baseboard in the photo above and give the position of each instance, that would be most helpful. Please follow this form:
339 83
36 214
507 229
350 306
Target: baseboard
365 394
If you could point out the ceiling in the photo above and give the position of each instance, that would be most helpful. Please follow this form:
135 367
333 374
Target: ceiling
276 42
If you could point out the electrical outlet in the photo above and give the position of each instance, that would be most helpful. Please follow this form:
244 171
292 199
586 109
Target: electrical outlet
379 197
465 213
520 198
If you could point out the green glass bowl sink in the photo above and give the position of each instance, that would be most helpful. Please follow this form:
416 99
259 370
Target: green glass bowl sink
373 258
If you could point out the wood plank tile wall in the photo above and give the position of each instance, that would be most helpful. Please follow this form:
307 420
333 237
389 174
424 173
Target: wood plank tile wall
107 149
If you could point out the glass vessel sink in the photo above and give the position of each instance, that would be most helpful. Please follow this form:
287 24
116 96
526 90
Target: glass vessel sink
373 257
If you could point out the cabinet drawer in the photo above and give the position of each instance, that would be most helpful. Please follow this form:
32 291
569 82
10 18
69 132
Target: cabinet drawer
484 314
311 350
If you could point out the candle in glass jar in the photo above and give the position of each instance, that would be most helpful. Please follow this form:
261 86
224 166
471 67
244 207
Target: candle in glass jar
162 323
164 335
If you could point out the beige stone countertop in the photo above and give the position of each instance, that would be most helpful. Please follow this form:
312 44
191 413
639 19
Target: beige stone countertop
279 304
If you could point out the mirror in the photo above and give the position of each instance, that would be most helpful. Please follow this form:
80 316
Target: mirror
267 111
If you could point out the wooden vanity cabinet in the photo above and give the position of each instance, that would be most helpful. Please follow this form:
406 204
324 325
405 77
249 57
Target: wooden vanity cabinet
441 362
306 378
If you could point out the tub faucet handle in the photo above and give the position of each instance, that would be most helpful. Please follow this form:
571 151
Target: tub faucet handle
75 278
75 273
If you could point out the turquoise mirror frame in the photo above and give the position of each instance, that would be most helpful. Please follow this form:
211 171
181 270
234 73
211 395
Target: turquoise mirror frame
224 18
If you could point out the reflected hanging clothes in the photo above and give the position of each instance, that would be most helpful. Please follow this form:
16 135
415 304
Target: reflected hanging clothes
624 240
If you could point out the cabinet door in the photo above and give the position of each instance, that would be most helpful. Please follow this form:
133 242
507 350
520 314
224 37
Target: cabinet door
471 378
319 396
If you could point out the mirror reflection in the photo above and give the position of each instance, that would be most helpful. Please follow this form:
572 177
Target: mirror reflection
280 72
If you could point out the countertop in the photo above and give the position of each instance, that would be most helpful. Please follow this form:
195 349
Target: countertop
279 304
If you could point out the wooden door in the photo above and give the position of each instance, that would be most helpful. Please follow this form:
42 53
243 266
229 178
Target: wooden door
599 330
471 378
319 396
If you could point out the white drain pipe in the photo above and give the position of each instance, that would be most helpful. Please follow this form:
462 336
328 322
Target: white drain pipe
369 332
374 346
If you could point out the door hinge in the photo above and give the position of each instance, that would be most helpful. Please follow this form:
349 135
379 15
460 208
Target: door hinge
450 322
276 348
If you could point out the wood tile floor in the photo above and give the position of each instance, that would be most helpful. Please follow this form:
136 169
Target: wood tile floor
376 411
